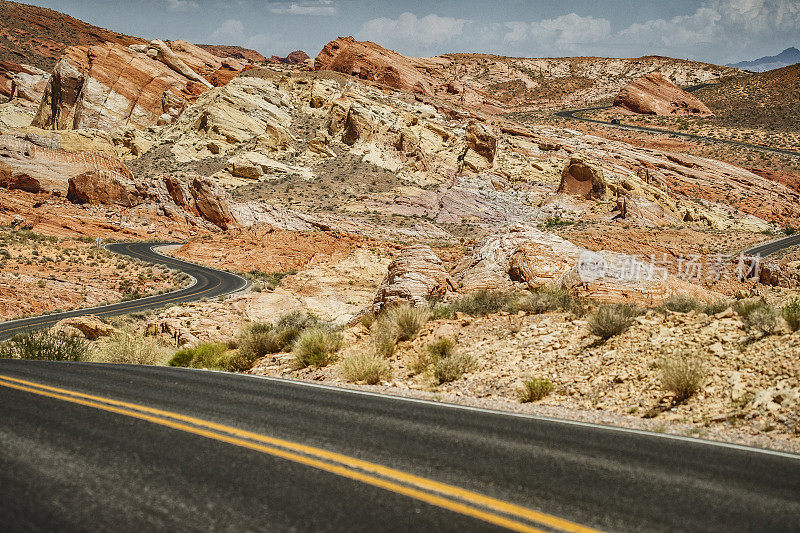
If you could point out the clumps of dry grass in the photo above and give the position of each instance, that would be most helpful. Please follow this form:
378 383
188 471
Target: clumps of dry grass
757 316
396 324
791 313
613 319
366 367
681 374
534 389
443 361
128 348
316 346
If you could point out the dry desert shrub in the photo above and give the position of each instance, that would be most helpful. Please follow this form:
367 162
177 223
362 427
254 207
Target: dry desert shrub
408 320
366 367
757 315
316 346
443 361
681 374
534 389
128 348
45 345
613 319
791 313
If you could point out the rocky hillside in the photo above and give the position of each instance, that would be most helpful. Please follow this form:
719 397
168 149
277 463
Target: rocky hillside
769 100
37 37
498 84
236 52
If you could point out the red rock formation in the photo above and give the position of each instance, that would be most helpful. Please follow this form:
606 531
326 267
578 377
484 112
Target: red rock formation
654 94
235 52
298 57
145 90
372 62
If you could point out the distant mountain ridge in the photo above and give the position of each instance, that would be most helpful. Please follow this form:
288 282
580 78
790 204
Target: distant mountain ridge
790 56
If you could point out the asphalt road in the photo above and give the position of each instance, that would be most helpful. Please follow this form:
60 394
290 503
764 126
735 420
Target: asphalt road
208 284
159 449
769 248
575 114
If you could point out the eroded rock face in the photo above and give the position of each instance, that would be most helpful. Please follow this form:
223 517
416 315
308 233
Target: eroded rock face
358 125
34 168
654 94
526 257
643 212
581 177
108 85
415 275
103 187
482 141
372 62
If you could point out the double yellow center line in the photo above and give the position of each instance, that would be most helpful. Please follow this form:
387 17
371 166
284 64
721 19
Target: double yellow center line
491 510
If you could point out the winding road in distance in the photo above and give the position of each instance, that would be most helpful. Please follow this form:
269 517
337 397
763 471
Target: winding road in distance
575 114
208 283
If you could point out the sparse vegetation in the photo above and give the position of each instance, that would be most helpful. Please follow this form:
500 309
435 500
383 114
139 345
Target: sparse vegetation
534 389
316 346
132 349
757 315
791 313
443 361
44 345
483 302
681 374
206 355
407 320
681 304
365 367
612 319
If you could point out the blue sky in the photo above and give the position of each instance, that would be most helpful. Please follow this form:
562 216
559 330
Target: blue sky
718 31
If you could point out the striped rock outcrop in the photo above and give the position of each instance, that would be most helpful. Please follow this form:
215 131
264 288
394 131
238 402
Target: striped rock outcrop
654 94
414 276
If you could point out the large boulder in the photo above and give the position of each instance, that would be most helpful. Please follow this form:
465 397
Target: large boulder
638 210
414 276
88 326
372 62
212 202
582 177
481 140
654 94
103 187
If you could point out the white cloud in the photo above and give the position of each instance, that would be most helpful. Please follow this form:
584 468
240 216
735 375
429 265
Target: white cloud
517 31
408 29
313 8
182 5
230 32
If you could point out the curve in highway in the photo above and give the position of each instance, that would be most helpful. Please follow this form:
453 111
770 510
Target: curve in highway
94 446
574 114
208 283
771 247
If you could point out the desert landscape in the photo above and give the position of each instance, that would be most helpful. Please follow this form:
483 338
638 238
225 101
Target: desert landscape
418 226
483 267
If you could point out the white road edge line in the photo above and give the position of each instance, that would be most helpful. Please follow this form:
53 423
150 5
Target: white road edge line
730 445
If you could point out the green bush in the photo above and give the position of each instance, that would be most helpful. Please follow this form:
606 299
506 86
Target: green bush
364 366
791 313
442 311
44 345
534 389
316 346
613 319
681 374
483 302
127 348
206 355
